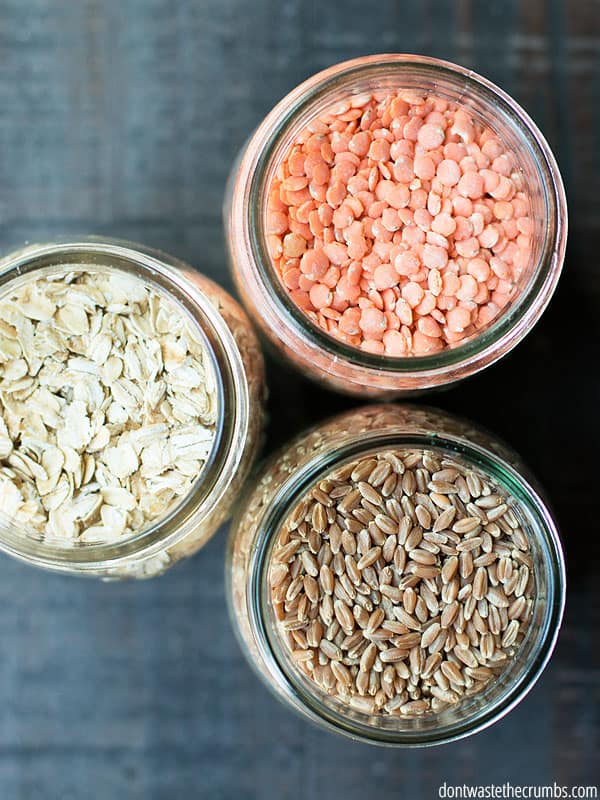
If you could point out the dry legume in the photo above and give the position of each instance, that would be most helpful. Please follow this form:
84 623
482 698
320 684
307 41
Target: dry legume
399 223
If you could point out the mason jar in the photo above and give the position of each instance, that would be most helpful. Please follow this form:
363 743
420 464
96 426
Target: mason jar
235 363
310 460
298 337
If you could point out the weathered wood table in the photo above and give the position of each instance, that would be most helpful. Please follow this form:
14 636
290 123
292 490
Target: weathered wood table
122 118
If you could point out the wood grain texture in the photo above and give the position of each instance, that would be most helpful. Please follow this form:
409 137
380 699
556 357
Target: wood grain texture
122 117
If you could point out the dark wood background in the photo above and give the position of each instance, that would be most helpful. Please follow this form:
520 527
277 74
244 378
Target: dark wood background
122 117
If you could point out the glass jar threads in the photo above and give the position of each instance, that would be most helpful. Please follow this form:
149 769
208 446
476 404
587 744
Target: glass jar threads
132 392
395 224
396 577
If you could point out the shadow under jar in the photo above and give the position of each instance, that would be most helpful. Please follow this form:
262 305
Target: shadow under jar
285 554
119 327
305 338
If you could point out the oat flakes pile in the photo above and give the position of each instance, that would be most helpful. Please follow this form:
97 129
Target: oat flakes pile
402 583
108 406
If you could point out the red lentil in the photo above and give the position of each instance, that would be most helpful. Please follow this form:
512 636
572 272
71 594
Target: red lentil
399 224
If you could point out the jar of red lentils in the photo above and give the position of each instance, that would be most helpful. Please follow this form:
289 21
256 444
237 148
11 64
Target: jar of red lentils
396 223
395 576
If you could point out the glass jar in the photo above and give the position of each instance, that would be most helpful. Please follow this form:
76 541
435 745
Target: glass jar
341 366
312 457
237 365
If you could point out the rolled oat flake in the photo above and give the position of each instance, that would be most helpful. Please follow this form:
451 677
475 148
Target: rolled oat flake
108 405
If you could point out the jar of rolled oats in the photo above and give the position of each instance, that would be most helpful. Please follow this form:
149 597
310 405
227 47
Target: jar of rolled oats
395 224
396 577
131 392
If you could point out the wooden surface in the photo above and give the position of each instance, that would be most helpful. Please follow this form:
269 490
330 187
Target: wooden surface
122 117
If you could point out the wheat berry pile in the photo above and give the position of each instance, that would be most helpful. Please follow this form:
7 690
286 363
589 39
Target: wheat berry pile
402 583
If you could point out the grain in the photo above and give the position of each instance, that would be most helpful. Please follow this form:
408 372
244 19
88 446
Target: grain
397 603
109 405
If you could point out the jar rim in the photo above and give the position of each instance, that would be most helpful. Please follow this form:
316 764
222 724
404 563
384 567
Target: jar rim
490 463
163 272
481 349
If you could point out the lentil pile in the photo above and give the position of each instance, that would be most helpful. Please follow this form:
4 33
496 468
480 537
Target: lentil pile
402 583
399 223
108 406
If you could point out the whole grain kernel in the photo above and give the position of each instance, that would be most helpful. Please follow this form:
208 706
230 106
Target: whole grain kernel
394 603
401 235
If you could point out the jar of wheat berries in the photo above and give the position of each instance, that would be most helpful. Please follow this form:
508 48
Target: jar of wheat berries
395 577
132 393
396 223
